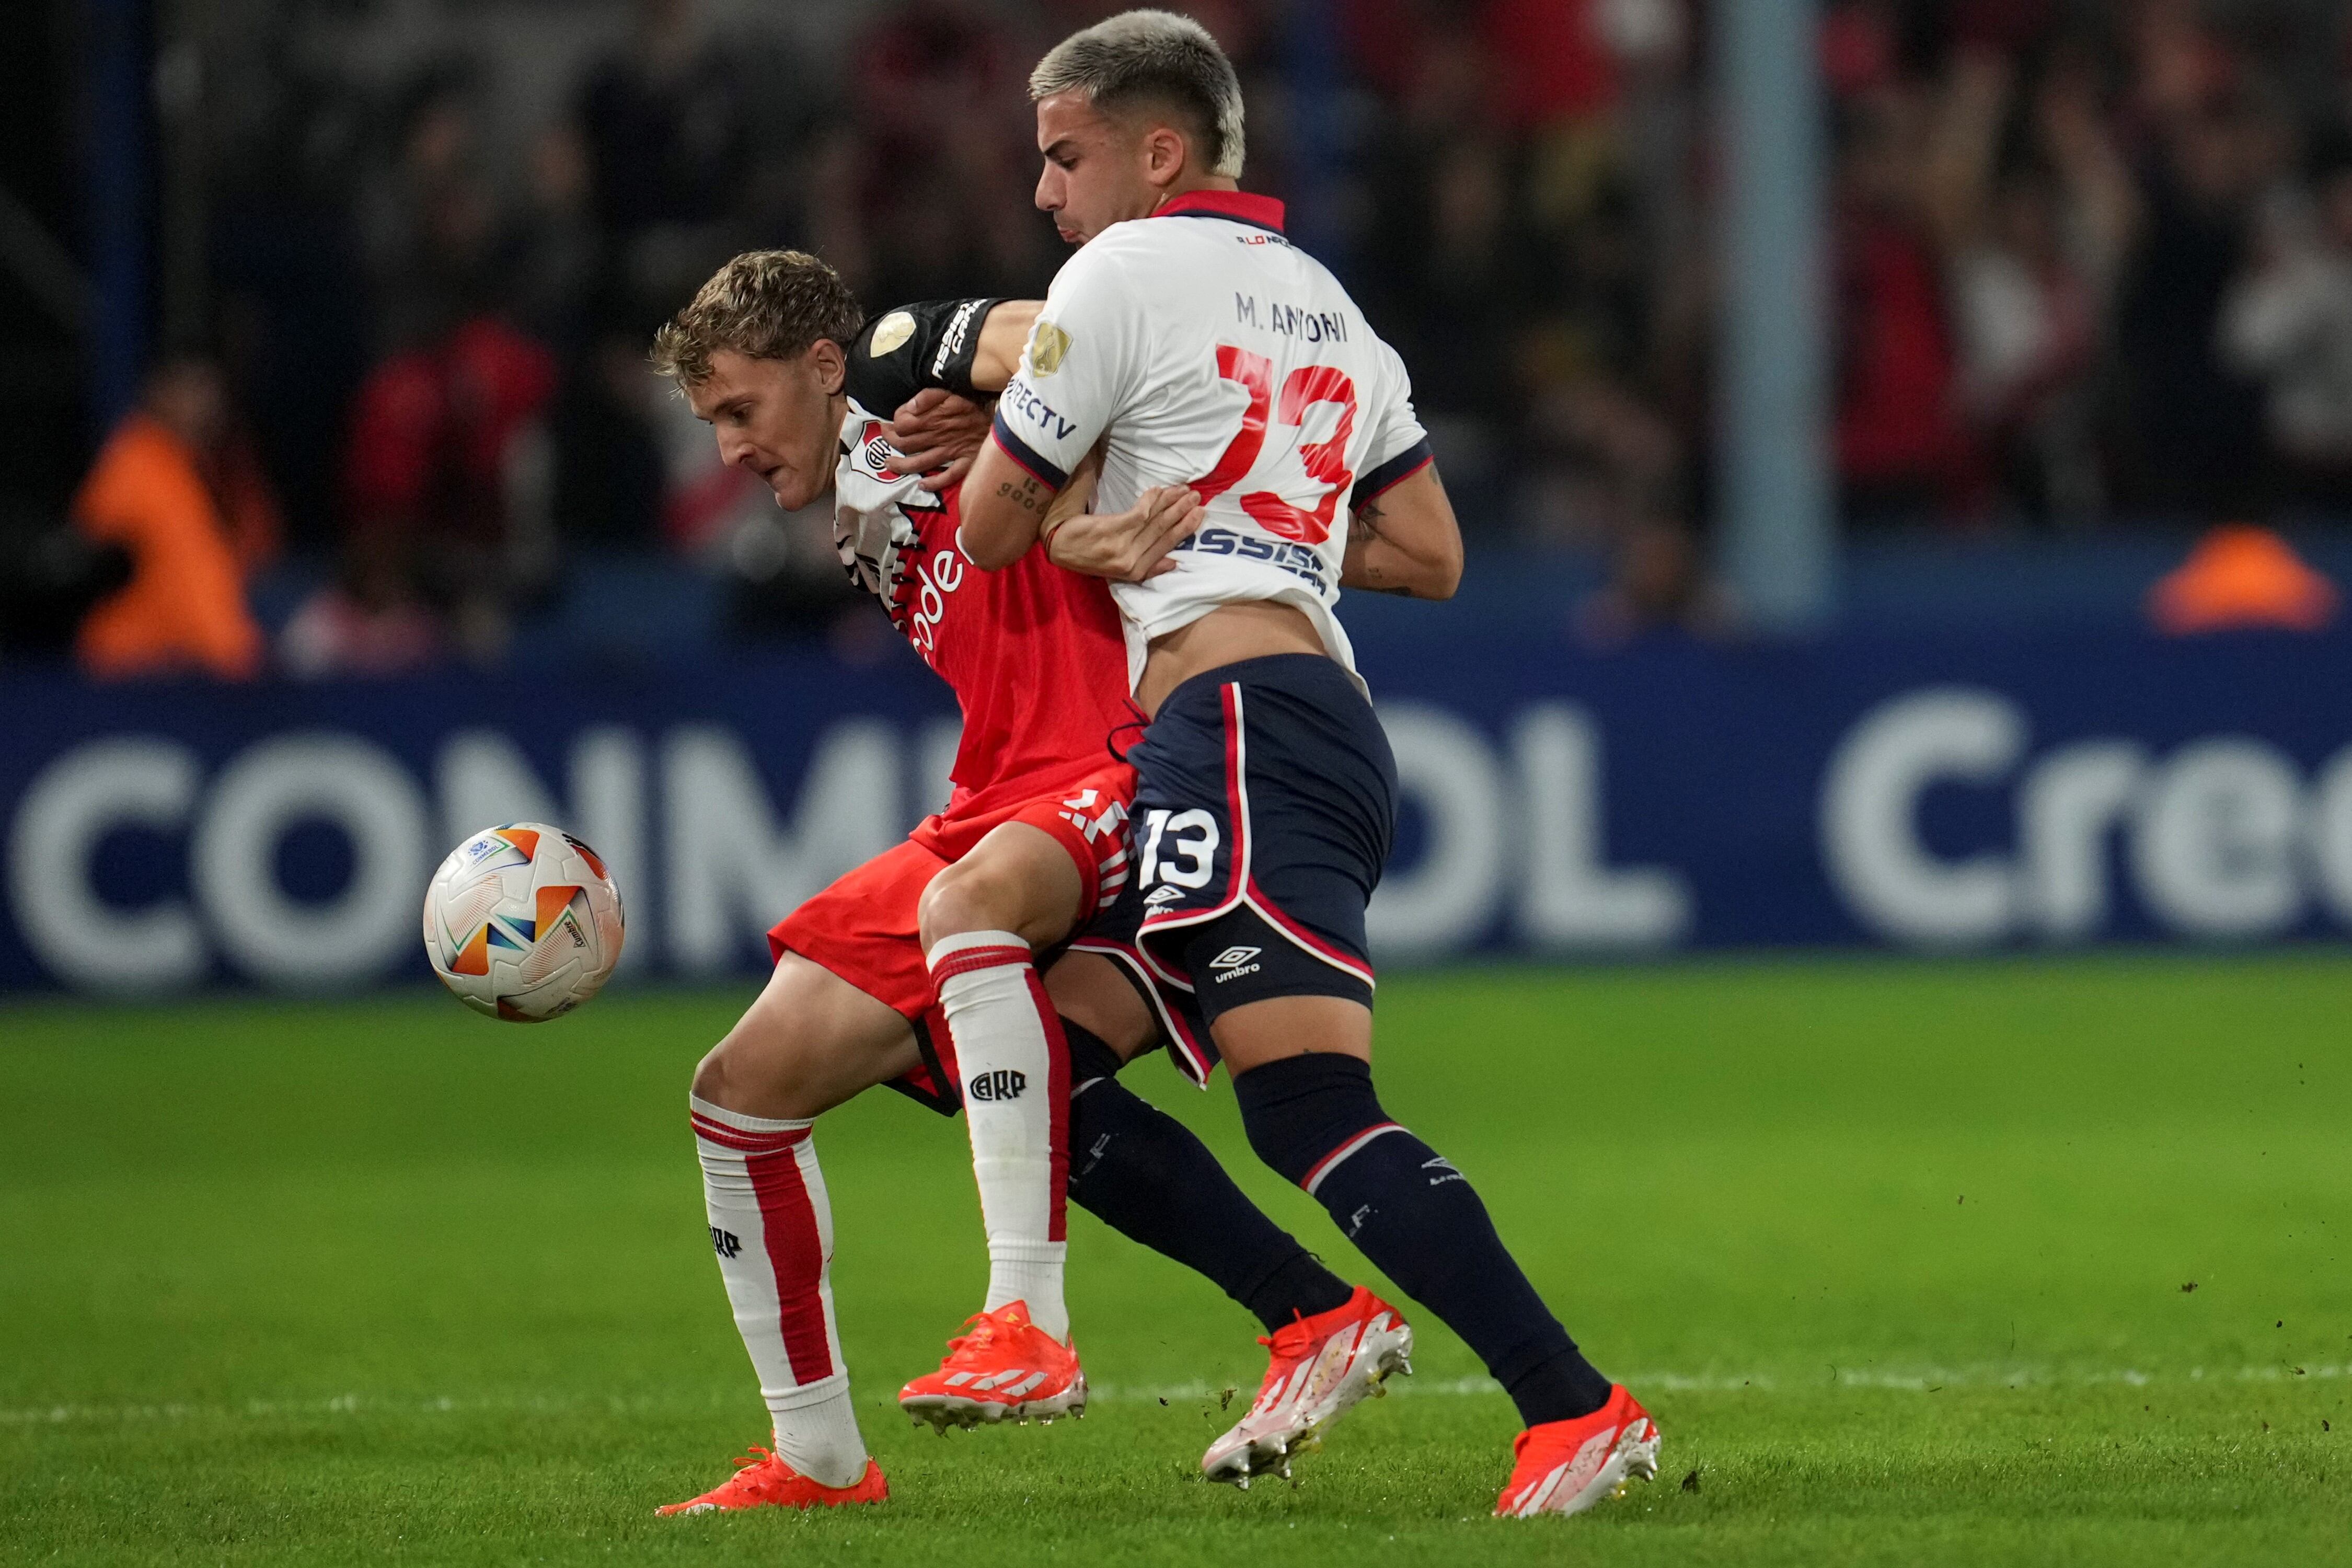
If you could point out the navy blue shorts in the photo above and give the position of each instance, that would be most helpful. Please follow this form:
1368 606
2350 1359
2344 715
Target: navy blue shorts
1264 803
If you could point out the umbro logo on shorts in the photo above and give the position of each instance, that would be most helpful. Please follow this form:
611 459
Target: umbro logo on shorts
1233 963
1003 1083
1162 895
726 1243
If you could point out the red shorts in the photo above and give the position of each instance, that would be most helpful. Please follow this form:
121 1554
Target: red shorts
864 927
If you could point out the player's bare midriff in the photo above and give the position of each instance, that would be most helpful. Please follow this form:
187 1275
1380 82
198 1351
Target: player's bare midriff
1226 634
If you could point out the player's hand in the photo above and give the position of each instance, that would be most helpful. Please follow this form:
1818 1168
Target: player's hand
1131 545
937 434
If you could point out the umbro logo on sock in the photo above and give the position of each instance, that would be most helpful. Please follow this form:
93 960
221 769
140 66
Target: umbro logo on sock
726 1243
1003 1083
1447 1173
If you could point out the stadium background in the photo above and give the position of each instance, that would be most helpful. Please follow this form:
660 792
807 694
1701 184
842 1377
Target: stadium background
1905 456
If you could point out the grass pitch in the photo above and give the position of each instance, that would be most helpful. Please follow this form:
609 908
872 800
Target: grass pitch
1901 1255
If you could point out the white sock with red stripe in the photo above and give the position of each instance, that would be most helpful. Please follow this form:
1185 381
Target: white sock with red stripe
772 1226
1016 1080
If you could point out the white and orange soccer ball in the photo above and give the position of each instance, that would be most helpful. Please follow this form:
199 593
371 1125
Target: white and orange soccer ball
522 923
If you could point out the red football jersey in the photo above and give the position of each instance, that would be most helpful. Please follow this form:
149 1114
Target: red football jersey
1034 653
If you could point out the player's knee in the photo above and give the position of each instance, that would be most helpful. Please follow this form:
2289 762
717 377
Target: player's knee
1298 1111
746 1073
1090 994
711 1077
967 896
1091 1057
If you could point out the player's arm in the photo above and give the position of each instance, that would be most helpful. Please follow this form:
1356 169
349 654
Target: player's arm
1402 534
1123 546
1003 508
1126 546
1403 538
940 430
1075 376
1003 336
933 365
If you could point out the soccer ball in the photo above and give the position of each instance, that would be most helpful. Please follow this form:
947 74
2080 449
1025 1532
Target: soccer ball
522 923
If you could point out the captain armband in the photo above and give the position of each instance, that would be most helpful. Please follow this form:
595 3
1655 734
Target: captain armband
930 343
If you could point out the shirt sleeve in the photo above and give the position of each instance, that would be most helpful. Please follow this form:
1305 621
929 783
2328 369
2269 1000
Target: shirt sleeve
932 342
1080 370
1400 446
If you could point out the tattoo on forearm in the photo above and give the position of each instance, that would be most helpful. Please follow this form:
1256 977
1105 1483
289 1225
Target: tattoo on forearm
1374 584
1028 495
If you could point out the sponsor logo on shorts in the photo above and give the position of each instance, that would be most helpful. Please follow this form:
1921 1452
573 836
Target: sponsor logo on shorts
726 1243
1080 812
1162 895
1001 1083
1235 963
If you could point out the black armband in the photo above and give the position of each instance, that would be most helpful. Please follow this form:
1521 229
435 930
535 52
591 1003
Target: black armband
903 351
1385 478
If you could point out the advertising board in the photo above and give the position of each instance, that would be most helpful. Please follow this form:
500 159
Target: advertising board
1916 794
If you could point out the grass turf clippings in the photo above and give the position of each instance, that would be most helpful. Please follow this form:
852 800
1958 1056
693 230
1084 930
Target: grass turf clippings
1898 1254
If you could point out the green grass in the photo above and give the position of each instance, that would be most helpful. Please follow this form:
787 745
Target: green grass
1896 1252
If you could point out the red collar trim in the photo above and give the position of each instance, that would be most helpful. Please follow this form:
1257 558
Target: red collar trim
1240 206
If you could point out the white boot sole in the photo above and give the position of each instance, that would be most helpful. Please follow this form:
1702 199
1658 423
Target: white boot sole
1390 1352
942 1412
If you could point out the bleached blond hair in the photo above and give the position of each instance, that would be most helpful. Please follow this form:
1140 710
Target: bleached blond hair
1139 57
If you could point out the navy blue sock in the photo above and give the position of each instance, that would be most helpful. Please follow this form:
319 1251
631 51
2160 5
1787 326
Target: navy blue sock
1143 1173
1316 1120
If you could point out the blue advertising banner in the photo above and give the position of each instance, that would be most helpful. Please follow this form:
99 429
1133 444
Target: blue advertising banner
1917 793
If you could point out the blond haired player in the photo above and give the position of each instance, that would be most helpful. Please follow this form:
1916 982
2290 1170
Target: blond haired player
918 968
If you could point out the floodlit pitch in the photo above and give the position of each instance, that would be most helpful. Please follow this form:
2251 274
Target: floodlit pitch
1903 1251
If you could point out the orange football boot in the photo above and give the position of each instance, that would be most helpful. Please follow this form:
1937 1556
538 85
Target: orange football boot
1566 1467
1002 1367
766 1481
1318 1369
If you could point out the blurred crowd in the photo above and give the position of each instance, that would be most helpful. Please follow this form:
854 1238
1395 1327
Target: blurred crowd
2090 265
2092 262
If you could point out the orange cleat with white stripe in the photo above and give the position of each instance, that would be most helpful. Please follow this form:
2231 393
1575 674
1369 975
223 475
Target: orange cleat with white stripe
766 1481
1002 1368
1566 1467
1322 1368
